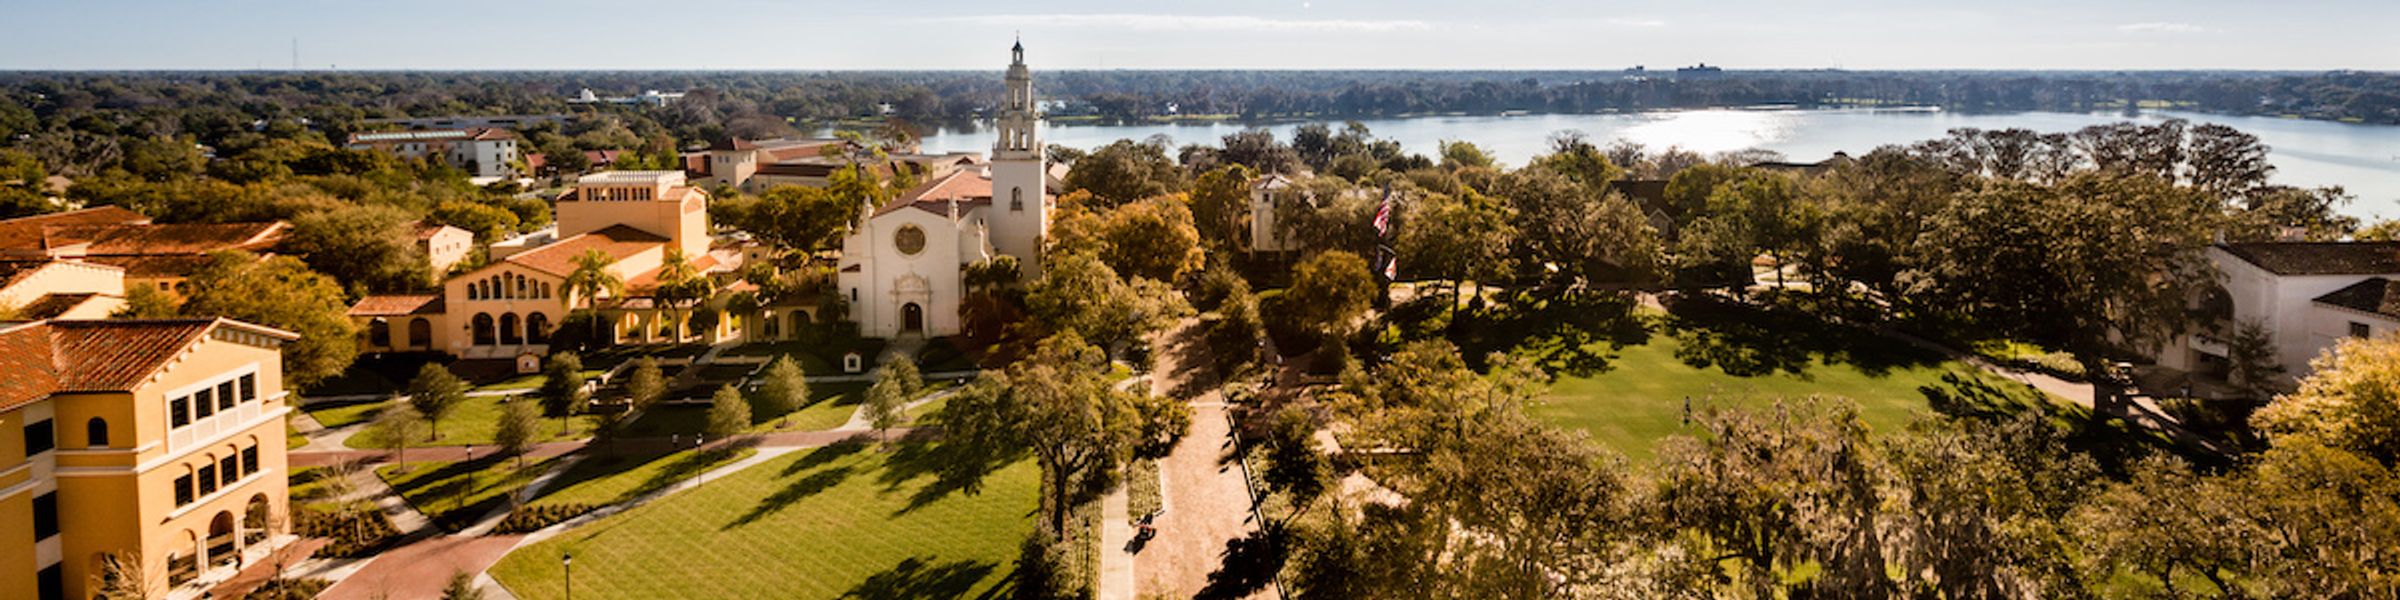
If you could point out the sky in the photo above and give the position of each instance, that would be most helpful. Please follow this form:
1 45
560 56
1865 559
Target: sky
1183 34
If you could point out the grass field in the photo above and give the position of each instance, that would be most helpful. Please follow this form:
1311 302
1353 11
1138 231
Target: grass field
1725 356
456 493
826 523
474 421
603 480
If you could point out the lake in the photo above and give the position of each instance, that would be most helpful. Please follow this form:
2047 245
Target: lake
2362 158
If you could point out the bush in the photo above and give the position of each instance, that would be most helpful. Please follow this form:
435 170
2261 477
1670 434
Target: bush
352 533
289 589
2029 357
528 519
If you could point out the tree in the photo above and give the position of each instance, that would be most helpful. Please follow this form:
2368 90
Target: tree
1456 238
1082 294
123 575
1977 509
1057 404
1152 239
680 286
783 389
728 414
886 403
2252 362
1577 234
590 279
401 425
434 392
518 418
645 386
280 292
1462 154
563 388
802 218
488 222
1765 491
369 247
147 302
1329 292
1124 172
2350 400
1220 202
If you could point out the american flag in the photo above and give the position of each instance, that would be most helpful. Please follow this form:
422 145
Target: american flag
1383 215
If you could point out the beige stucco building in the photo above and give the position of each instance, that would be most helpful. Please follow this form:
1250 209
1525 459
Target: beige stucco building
161 441
481 152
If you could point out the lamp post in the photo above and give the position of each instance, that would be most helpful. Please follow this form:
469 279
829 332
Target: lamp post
567 561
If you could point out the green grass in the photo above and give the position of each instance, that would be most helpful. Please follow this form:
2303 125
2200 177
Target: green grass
825 523
832 406
341 415
603 480
476 421
454 493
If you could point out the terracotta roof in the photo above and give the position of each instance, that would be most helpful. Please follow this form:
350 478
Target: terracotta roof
647 281
52 305
25 233
968 187
558 258
176 238
49 357
141 267
2320 258
2374 295
393 305
426 229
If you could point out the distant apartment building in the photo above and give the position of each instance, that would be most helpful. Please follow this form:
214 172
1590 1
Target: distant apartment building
646 98
481 152
155 444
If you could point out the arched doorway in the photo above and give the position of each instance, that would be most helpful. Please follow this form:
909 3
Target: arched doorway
483 329
223 548
537 328
379 333
420 333
258 520
912 318
510 333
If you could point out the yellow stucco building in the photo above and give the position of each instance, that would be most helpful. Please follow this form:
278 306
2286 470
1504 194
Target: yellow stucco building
158 443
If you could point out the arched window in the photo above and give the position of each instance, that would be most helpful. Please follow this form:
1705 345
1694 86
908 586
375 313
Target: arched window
537 328
482 325
545 290
1016 198
521 287
379 333
509 334
95 432
475 291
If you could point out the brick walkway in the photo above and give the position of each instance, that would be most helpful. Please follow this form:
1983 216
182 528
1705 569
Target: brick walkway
421 569
258 573
1207 501
798 439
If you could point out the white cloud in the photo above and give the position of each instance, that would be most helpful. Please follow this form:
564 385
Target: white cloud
1625 22
1145 22
2160 27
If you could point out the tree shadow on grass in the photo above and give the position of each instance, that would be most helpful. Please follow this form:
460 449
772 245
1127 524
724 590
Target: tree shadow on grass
955 468
918 577
813 484
1572 334
2113 443
1747 341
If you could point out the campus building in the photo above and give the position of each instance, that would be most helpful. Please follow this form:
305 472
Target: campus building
753 166
481 151
2306 295
633 221
901 268
155 444
160 256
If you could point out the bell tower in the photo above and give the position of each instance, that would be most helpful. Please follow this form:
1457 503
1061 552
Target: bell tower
1020 211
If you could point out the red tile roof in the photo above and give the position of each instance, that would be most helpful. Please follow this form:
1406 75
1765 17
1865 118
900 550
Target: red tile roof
968 187
617 241
154 266
164 239
49 357
393 305
25 233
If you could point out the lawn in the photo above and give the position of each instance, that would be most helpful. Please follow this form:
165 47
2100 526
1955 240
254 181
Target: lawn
832 405
604 480
455 493
1722 356
824 523
476 421
816 358
335 415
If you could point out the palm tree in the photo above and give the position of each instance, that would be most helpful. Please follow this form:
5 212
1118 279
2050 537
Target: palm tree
679 282
590 277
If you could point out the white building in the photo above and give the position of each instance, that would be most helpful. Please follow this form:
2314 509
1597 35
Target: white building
2307 295
901 268
480 152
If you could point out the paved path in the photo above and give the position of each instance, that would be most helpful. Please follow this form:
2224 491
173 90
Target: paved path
1116 540
421 569
1205 495
260 571
858 418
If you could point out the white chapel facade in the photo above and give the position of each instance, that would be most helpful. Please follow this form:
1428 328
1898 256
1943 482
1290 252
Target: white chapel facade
901 269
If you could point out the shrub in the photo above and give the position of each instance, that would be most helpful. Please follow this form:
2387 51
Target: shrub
352 533
528 519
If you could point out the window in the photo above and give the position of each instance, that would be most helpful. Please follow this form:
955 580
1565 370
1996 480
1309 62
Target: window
179 411
230 470
183 490
52 582
249 387
1016 198
40 437
249 460
208 479
45 516
204 403
95 433
225 397
2361 330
